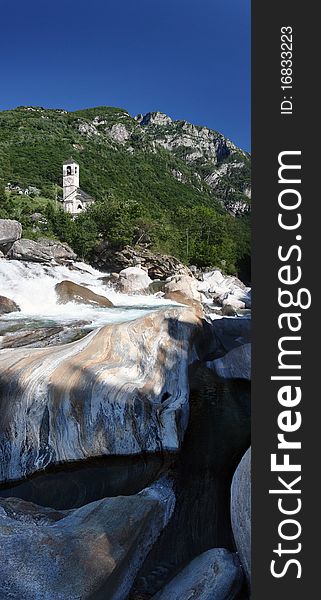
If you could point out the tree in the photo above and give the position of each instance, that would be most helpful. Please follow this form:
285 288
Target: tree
6 206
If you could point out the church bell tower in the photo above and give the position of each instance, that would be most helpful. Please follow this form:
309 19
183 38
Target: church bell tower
70 178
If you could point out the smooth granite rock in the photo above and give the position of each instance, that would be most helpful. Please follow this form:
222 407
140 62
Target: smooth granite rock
226 334
226 291
214 575
184 284
133 280
121 390
236 364
7 306
93 552
241 512
68 291
10 231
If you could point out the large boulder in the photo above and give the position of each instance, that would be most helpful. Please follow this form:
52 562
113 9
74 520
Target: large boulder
211 281
224 335
92 552
214 575
241 512
158 266
121 390
10 231
7 306
68 291
183 284
43 251
133 280
236 364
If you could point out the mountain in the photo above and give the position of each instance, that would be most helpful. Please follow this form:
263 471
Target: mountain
182 188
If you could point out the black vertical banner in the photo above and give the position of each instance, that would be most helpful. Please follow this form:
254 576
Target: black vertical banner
286 423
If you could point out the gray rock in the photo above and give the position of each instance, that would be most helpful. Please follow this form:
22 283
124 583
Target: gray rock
133 280
109 279
226 291
44 250
91 552
241 512
232 305
225 334
10 231
236 364
214 575
184 284
119 133
200 143
155 118
7 306
88 129
36 337
212 281
225 172
158 266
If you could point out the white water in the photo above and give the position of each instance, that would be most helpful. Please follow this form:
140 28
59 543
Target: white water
32 287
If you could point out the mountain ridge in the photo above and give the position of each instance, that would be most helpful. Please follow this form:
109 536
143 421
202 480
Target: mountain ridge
165 166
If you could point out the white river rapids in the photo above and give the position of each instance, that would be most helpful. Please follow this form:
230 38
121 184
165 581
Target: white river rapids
32 287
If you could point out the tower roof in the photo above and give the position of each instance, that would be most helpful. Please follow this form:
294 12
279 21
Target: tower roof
69 161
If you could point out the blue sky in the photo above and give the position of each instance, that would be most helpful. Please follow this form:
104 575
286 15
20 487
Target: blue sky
188 58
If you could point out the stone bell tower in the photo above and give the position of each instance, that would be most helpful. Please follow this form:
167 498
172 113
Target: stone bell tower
70 178
75 200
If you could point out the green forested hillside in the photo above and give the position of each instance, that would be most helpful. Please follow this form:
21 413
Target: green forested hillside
180 188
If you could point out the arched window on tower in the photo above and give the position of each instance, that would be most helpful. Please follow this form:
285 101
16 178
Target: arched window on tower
69 170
